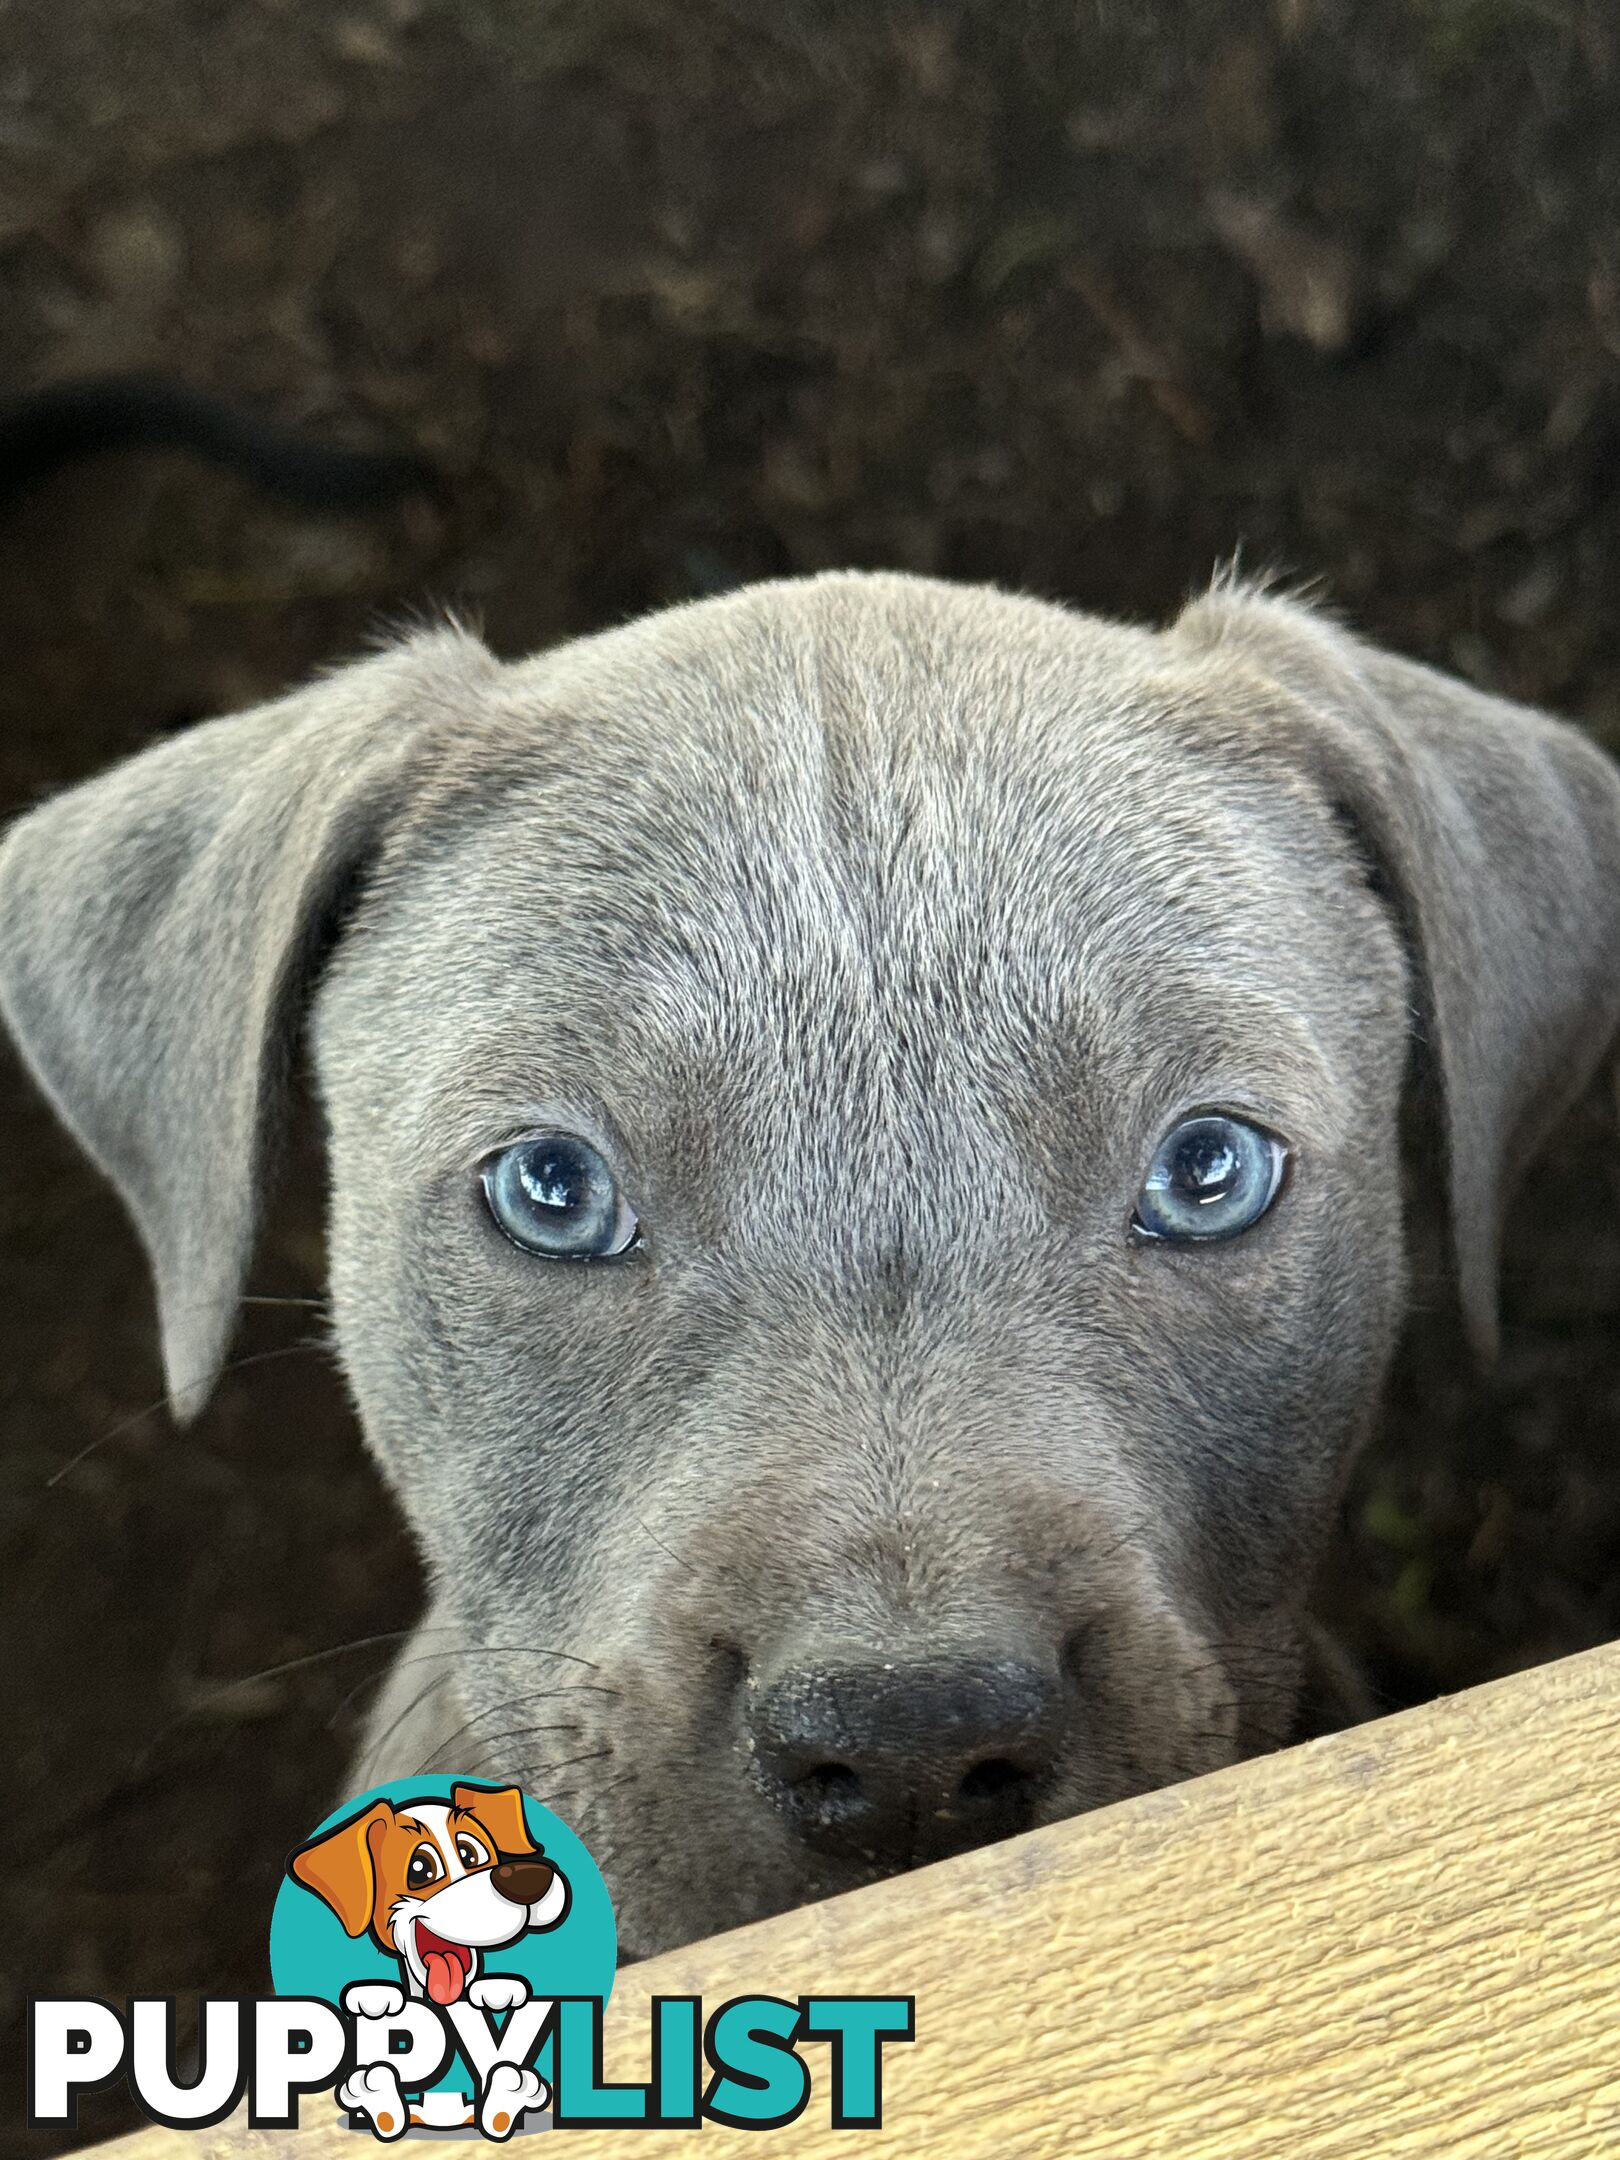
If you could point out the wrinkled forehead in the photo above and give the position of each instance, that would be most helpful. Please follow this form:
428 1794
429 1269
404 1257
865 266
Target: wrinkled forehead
881 879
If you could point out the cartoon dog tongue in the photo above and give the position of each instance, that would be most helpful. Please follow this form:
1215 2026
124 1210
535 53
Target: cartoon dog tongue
445 1966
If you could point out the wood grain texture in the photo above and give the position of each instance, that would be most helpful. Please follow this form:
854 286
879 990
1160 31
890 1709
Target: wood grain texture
1401 1941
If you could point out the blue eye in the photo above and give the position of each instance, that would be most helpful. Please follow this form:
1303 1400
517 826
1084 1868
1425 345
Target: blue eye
1211 1178
555 1196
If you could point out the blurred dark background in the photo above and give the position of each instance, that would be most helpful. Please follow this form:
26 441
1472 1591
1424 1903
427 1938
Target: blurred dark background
1081 298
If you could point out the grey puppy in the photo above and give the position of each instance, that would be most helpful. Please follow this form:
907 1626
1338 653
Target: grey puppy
876 1134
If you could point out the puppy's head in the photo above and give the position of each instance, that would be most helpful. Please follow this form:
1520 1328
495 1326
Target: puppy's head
868 1190
433 1882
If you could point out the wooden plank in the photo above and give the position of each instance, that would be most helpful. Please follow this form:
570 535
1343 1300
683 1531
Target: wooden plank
1400 1941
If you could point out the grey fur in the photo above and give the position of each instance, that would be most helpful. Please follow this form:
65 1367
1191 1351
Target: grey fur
877 928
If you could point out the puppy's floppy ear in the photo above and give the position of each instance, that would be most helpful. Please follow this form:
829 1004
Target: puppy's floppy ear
341 1867
159 927
501 1814
1496 831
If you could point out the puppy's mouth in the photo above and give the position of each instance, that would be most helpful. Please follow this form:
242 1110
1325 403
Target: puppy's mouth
446 1966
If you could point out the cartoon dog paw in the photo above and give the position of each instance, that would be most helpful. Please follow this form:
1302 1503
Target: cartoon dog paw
373 1999
374 2093
499 1991
508 2094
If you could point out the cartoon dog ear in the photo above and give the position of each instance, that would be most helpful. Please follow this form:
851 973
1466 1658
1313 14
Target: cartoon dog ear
341 1867
1496 832
501 1814
160 930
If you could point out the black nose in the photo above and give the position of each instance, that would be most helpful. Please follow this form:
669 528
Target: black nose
904 1763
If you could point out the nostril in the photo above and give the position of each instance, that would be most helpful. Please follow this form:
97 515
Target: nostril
828 1783
992 1779
828 1800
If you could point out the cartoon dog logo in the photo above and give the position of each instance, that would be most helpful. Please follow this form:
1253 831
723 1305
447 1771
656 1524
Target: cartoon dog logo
437 1885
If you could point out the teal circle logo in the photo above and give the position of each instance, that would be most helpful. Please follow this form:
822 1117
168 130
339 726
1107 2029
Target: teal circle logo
450 1891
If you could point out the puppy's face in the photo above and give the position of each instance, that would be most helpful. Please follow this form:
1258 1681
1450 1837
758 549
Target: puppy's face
867 1199
422 1855
839 987
435 1882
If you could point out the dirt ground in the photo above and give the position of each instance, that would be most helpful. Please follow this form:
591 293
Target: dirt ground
1081 298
